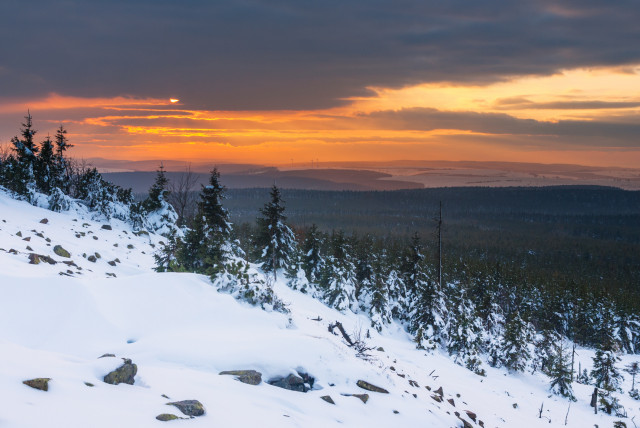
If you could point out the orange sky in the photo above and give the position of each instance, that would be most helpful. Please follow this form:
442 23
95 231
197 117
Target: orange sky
580 116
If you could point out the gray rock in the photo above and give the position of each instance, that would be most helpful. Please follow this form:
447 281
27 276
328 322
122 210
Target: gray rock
363 397
41 383
370 387
164 417
61 251
44 221
291 382
189 407
328 399
250 377
106 227
123 374
92 258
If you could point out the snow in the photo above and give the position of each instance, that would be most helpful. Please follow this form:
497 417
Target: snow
181 333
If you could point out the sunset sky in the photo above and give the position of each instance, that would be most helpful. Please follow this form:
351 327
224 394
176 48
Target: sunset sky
289 81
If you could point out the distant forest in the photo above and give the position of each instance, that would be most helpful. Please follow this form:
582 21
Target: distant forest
586 235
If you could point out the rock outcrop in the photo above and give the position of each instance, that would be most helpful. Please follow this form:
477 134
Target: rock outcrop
250 377
123 374
189 407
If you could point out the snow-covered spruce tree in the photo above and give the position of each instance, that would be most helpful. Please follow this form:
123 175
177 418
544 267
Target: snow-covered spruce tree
398 303
463 330
274 240
545 351
295 274
19 171
160 217
44 168
633 369
426 306
312 259
374 299
514 350
605 374
337 281
166 257
560 371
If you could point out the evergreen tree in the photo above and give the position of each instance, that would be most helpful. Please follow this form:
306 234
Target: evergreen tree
158 191
515 346
61 165
633 369
274 241
312 259
45 172
605 375
337 281
545 351
20 167
463 331
560 371
377 295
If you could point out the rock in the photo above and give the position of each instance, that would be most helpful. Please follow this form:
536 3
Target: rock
61 251
92 258
111 263
328 399
481 424
19 234
450 400
44 221
95 238
396 412
437 398
130 246
106 227
471 415
414 383
515 405
189 407
370 387
250 377
98 256
380 348
164 417
28 238
41 383
363 397
89 384
29 248
439 391
106 355
34 259
123 374
291 382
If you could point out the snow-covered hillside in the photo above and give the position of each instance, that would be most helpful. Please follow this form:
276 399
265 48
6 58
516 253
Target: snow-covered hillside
59 314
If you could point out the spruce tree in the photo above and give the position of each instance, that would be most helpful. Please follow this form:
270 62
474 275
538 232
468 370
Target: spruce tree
605 374
274 240
463 331
312 259
45 173
158 191
515 345
61 165
337 281
560 371
20 168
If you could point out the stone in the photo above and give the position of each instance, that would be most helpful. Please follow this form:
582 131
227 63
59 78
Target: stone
61 251
130 246
437 398
44 221
380 349
363 397
450 400
89 384
291 382
471 415
19 234
92 258
439 391
123 374
370 387
34 259
250 377
106 356
41 383
328 399
106 227
28 238
189 407
164 417
111 263
414 383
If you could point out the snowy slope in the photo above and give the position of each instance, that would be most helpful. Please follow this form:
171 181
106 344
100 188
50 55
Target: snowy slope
181 333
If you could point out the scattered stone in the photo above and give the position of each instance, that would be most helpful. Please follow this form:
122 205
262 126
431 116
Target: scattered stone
28 238
291 382
515 405
89 384
363 397
19 234
481 423
450 400
34 259
44 221
439 391
106 356
29 248
189 407
123 374
164 417
92 258
250 377
117 260
393 369
396 412
471 415
130 341
115 245
428 387
39 235
70 263
141 232
61 251
414 383
130 246
95 238
12 251
111 263
41 383
328 399
98 256
47 239
370 387
437 398
401 375
106 227
112 275
165 396
380 348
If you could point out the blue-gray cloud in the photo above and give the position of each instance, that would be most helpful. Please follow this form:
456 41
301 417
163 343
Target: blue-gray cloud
280 54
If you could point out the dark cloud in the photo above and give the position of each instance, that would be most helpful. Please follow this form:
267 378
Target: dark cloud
523 103
592 132
291 54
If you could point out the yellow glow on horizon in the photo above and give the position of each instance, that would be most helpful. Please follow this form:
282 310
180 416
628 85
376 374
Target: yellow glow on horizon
173 100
